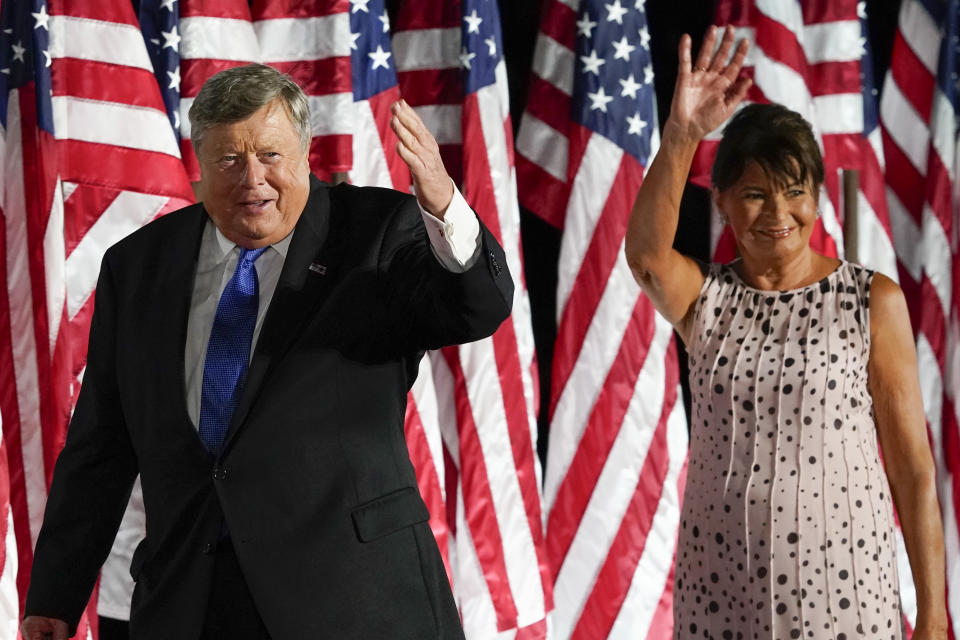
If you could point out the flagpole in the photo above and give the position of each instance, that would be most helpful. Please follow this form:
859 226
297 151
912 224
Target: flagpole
851 187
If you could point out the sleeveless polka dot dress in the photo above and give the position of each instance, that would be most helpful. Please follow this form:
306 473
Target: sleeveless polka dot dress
787 526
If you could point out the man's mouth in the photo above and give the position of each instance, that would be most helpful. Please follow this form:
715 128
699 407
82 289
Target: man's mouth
255 204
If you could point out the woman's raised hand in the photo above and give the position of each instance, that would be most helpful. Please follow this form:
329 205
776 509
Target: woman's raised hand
707 92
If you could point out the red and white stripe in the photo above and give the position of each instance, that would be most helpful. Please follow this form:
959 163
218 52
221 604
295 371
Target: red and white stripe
806 56
485 391
113 165
919 126
118 157
617 456
215 35
310 41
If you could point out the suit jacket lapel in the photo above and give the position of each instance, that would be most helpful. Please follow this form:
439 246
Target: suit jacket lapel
174 290
299 292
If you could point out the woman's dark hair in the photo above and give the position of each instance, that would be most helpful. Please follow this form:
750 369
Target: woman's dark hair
776 138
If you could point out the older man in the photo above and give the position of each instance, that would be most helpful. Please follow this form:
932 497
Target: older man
249 358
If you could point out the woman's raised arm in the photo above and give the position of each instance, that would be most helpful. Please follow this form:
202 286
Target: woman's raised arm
705 95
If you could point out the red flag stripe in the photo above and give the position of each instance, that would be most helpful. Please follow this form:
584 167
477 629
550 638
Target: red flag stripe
601 430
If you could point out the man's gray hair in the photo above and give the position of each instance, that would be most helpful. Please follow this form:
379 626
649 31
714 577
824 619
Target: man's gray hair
237 93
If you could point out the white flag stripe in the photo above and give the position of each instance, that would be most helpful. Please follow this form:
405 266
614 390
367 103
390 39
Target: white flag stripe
205 37
288 39
20 298
331 114
874 248
650 577
837 41
786 13
593 182
936 252
911 133
425 395
185 104
554 63
908 594
921 34
427 49
443 382
781 83
597 355
839 113
942 137
951 541
479 618
492 432
53 259
544 146
98 41
931 388
113 123
614 489
129 211
369 165
501 178
443 121
906 236
494 111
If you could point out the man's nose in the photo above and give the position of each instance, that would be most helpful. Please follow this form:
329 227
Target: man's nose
253 172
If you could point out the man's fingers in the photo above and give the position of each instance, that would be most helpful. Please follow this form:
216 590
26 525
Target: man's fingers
407 117
720 57
412 160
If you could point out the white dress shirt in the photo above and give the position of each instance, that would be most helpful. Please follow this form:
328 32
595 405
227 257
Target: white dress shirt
455 242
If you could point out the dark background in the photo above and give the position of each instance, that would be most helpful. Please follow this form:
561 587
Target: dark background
668 21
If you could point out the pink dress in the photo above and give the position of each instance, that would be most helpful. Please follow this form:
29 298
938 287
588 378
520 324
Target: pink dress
787 526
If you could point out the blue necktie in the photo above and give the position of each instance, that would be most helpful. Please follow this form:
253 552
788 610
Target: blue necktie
228 351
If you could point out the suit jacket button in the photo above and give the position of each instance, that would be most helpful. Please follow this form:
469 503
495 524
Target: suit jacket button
219 474
207 549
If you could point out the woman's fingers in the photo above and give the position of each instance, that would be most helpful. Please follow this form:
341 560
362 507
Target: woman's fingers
683 54
703 57
738 91
723 52
733 69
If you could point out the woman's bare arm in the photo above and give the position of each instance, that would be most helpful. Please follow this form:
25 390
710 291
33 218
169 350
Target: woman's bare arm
706 94
901 425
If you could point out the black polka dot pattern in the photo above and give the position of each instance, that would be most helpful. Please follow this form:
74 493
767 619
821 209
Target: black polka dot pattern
787 526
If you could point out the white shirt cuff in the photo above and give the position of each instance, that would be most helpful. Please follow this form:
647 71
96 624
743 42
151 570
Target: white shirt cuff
455 240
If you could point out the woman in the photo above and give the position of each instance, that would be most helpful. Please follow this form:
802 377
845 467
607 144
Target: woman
799 363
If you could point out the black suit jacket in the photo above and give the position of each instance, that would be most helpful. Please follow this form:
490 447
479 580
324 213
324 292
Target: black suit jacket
314 481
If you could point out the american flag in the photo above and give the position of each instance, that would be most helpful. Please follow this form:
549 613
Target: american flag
374 76
920 114
83 121
814 58
189 41
311 42
449 59
617 453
